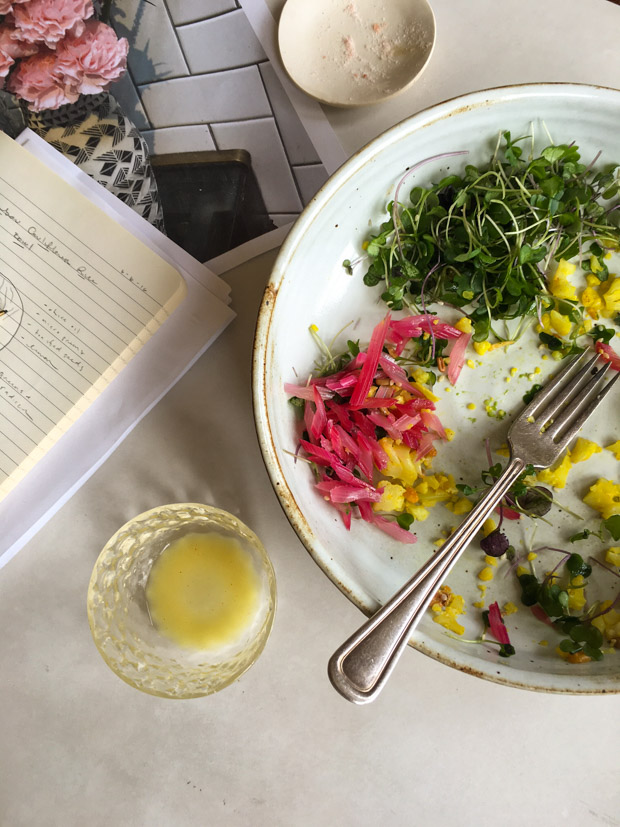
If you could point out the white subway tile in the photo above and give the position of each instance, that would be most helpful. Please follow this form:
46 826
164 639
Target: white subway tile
309 180
179 139
154 49
223 96
298 145
127 95
187 11
261 139
220 43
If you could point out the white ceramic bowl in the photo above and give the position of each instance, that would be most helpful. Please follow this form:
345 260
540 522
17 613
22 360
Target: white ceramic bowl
309 286
355 53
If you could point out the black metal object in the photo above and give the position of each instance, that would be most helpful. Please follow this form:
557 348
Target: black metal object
211 200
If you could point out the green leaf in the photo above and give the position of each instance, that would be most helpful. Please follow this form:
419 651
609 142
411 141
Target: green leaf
527 397
586 633
553 154
612 524
577 567
592 652
404 521
530 589
552 342
581 535
467 256
506 650
602 334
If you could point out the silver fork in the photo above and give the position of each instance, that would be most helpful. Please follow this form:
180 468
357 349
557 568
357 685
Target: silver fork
360 668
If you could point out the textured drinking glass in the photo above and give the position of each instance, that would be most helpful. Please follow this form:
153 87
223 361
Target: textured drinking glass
119 616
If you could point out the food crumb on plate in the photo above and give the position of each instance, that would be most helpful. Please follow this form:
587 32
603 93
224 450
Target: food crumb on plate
486 574
447 607
612 556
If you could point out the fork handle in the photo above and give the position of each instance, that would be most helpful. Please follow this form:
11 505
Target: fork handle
361 666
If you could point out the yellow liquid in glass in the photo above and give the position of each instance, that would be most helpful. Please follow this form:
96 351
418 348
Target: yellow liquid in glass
203 591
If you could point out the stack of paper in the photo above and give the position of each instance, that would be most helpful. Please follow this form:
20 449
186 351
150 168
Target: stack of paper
99 315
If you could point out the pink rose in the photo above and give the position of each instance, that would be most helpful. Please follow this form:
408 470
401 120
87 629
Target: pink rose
38 81
48 21
94 58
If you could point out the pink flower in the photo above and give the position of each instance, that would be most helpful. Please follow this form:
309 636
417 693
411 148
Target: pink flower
38 81
10 43
94 58
5 64
48 21
6 6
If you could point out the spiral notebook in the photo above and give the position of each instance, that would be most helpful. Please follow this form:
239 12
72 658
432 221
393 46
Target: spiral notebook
99 315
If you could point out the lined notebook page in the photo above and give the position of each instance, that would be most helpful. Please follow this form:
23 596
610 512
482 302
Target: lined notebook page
79 297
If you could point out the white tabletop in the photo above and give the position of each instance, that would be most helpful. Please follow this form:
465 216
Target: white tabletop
280 747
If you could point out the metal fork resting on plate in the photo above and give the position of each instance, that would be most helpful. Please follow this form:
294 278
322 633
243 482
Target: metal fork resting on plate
360 668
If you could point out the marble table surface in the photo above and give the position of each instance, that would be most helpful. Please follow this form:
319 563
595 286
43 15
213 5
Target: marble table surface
280 747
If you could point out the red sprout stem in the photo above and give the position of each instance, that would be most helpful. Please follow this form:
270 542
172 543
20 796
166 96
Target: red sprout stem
404 178
603 566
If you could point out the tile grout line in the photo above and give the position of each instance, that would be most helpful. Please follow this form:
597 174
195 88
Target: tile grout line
279 131
176 36
212 134
139 97
218 123
210 17
159 81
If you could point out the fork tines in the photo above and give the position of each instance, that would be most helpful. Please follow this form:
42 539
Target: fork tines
564 404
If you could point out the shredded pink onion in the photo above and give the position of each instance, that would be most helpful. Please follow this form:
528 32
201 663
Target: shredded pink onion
457 357
319 420
306 391
339 493
496 624
397 374
393 529
540 614
431 420
388 526
369 368
608 354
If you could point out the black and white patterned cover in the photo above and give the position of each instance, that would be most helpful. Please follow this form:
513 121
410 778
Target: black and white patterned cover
96 135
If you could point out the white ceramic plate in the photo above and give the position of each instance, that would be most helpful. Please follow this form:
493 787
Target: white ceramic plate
355 52
309 286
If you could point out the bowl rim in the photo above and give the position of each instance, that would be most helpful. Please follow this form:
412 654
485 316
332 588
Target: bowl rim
260 357
379 97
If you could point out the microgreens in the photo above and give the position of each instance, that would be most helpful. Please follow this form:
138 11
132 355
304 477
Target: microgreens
550 602
611 525
523 497
487 238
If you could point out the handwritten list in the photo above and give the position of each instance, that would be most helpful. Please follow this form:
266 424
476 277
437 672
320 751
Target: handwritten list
79 297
